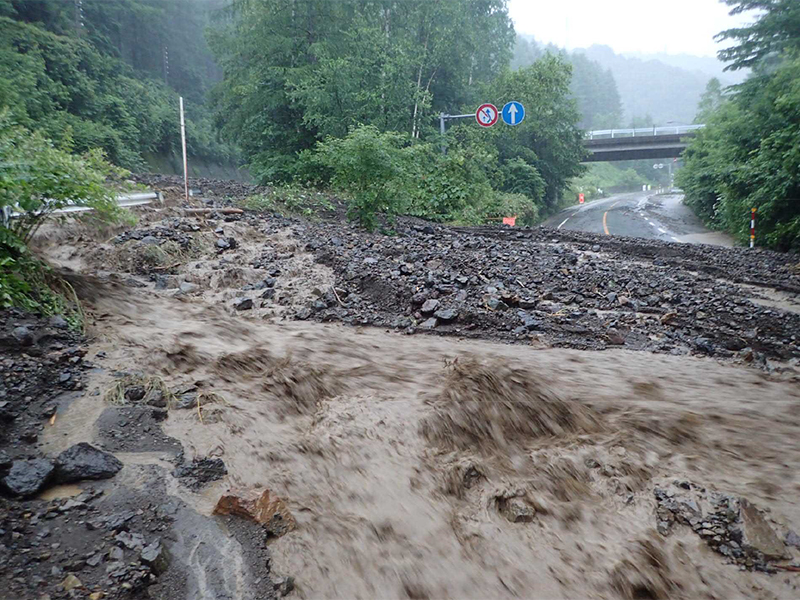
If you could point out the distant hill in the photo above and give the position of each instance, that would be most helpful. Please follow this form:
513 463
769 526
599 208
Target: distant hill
651 87
706 65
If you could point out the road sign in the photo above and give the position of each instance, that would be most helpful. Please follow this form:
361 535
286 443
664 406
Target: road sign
487 115
581 198
513 113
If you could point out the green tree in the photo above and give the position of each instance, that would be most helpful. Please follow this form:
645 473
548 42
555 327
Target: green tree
710 101
776 30
297 71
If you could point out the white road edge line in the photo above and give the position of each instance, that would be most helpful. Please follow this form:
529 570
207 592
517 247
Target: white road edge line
662 230
562 223
676 239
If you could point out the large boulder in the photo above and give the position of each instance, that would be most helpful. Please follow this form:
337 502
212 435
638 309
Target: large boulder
84 461
259 505
28 477
758 535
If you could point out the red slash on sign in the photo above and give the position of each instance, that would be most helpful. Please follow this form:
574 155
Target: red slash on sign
487 115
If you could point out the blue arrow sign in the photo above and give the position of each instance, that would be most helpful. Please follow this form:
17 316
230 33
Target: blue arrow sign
513 113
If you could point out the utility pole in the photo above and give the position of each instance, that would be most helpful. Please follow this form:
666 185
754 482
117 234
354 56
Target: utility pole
78 16
443 118
166 65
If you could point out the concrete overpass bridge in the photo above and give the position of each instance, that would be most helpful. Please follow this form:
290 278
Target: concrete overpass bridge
632 144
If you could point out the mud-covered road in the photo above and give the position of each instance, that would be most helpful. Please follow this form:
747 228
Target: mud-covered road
438 413
639 214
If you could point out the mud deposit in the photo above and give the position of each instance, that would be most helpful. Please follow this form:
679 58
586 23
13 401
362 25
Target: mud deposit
487 462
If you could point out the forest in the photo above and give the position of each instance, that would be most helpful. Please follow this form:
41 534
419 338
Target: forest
312 92
748 156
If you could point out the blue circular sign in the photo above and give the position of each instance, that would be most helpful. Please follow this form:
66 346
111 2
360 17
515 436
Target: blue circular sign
513 113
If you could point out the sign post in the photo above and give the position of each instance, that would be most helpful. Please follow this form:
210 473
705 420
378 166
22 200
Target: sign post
752 227
185 162
581 199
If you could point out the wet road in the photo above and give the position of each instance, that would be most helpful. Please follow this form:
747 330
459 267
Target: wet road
639 214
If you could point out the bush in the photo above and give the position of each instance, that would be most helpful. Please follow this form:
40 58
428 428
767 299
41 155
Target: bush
37 178
371 168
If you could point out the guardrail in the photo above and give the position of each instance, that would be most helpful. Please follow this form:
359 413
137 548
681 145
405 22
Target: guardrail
641 132
125 201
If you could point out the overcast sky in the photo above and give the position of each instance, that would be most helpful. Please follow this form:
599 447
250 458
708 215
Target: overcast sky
674 26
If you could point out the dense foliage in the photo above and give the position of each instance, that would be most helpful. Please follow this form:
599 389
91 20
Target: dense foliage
98 77
351 91
37 178
749 154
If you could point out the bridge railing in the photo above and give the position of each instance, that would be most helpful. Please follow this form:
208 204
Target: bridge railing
641 132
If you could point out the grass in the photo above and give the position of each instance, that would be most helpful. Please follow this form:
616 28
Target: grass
289 201
116 393
30 284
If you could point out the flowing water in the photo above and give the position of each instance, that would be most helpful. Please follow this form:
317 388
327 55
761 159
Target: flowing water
399 456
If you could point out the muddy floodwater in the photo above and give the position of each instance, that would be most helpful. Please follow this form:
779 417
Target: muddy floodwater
439 466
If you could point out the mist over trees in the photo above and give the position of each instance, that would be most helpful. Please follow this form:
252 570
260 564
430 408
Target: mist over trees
107 74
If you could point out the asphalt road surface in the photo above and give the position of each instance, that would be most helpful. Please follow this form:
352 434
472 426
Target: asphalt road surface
639 214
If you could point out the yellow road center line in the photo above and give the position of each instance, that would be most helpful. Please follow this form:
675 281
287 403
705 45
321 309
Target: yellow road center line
605 217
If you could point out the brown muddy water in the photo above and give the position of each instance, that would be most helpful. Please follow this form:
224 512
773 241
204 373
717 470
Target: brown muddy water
425 467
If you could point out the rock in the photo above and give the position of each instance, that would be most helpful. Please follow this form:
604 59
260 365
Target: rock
532 324
757 534
611 297
370 261
200 471
5 462
429 324
703 345
132 541
84 461
187 287
259 505
446 315
792 539
596 248
516 510
270 282
96 596
283 586
115 553
494 303
243 304
222 244
150 240
155 397
303 313
134 393
164 282
28 477
623 300
58 321
71 582
429 307
418 298
527 303
156 556
23 335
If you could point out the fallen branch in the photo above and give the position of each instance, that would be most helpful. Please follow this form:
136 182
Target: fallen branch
791 568
207 211
339 300
177 264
